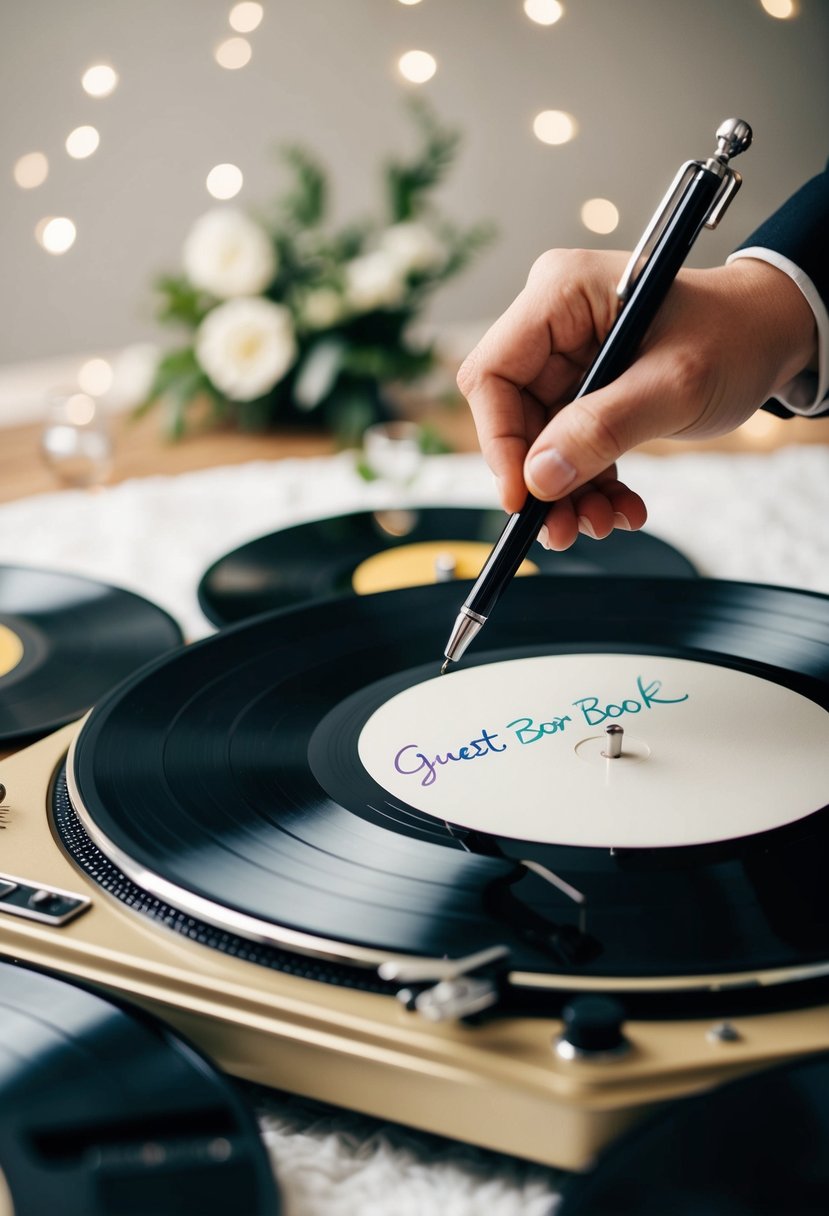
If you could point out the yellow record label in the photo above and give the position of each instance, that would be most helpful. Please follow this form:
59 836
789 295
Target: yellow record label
6 1206
11 650
418 564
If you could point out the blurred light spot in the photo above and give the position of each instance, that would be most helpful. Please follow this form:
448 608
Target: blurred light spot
80 409
246 17
56 233
544 12
782 9
600 215
224 181
554 126
95 377
31 170
410 1
99 80
417 66
233 53
760 427
82 142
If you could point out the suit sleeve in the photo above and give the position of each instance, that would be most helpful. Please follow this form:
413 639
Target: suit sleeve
799 232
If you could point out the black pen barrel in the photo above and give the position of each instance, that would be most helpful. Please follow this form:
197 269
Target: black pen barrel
615 355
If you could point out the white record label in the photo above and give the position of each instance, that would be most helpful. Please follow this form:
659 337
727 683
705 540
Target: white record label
518 749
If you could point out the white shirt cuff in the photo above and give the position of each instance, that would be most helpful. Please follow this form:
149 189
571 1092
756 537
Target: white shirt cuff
805 393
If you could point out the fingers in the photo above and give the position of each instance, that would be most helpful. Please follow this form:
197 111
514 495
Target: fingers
595 510
652 398
535 353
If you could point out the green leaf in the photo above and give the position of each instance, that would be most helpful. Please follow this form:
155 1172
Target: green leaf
364 470
408 181
304 204
431 442
180 301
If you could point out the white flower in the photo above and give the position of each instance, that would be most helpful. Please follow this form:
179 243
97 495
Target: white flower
373 281
412 247
227 254
246 346
322 307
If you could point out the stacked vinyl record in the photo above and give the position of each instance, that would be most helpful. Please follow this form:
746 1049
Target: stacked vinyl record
64 642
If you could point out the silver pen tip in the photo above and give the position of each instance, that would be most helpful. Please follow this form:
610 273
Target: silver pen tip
445 666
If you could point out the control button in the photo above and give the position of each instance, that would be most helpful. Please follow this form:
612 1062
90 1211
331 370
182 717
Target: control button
47 902
48 905
592 1030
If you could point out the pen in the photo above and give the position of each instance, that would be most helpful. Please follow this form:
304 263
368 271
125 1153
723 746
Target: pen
697 197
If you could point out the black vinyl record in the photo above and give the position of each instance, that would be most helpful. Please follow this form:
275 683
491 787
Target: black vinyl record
67 640
229 773
105 1112
319 559
754 1147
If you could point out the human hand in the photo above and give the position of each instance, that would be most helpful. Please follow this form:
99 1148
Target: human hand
723 341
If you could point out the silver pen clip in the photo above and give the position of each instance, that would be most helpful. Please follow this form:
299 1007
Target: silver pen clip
733 137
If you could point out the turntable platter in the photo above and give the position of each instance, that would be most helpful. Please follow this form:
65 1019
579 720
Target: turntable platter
239 780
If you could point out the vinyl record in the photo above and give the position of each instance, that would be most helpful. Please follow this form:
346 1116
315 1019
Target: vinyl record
65 641
268 781
754 1147
386 550
105 1112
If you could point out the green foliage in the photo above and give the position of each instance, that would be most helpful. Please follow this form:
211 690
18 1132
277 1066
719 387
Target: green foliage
408 182
304 204
348 346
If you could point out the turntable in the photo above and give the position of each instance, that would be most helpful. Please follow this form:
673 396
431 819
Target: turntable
456 902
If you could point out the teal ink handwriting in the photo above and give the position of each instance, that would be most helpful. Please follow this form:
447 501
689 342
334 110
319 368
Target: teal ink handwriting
595 715
527 731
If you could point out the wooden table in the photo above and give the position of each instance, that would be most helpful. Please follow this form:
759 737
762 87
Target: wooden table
141 450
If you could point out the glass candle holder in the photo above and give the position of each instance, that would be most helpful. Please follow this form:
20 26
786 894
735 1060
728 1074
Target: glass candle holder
75 441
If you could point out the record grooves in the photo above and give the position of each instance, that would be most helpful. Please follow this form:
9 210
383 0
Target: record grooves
242 794
65 641
324 558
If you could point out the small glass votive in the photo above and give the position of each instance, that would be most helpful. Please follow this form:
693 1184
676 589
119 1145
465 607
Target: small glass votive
75 441
393 451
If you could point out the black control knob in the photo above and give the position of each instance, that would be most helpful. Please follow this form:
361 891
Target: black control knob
592 1027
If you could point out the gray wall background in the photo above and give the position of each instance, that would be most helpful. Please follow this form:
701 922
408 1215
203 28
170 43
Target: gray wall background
647 80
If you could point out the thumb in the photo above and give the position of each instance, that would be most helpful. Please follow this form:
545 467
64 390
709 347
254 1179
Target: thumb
591 433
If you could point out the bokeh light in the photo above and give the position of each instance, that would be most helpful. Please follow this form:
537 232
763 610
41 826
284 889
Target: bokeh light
233 53
99 80
417 66
31 170
544 12
56 233
224 181
95 377
783 10
246 16
554 127
82 142
600 215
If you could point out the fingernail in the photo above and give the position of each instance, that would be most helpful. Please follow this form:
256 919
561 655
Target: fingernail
544 537
586 527
550 472
621 521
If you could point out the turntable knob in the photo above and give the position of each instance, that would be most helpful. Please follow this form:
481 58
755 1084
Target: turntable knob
592 1029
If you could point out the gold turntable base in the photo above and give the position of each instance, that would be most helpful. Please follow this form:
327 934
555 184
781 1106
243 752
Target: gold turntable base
500 1084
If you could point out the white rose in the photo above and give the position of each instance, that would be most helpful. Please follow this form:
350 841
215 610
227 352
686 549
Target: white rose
227 254
322 307
373 281
246 346
412 247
